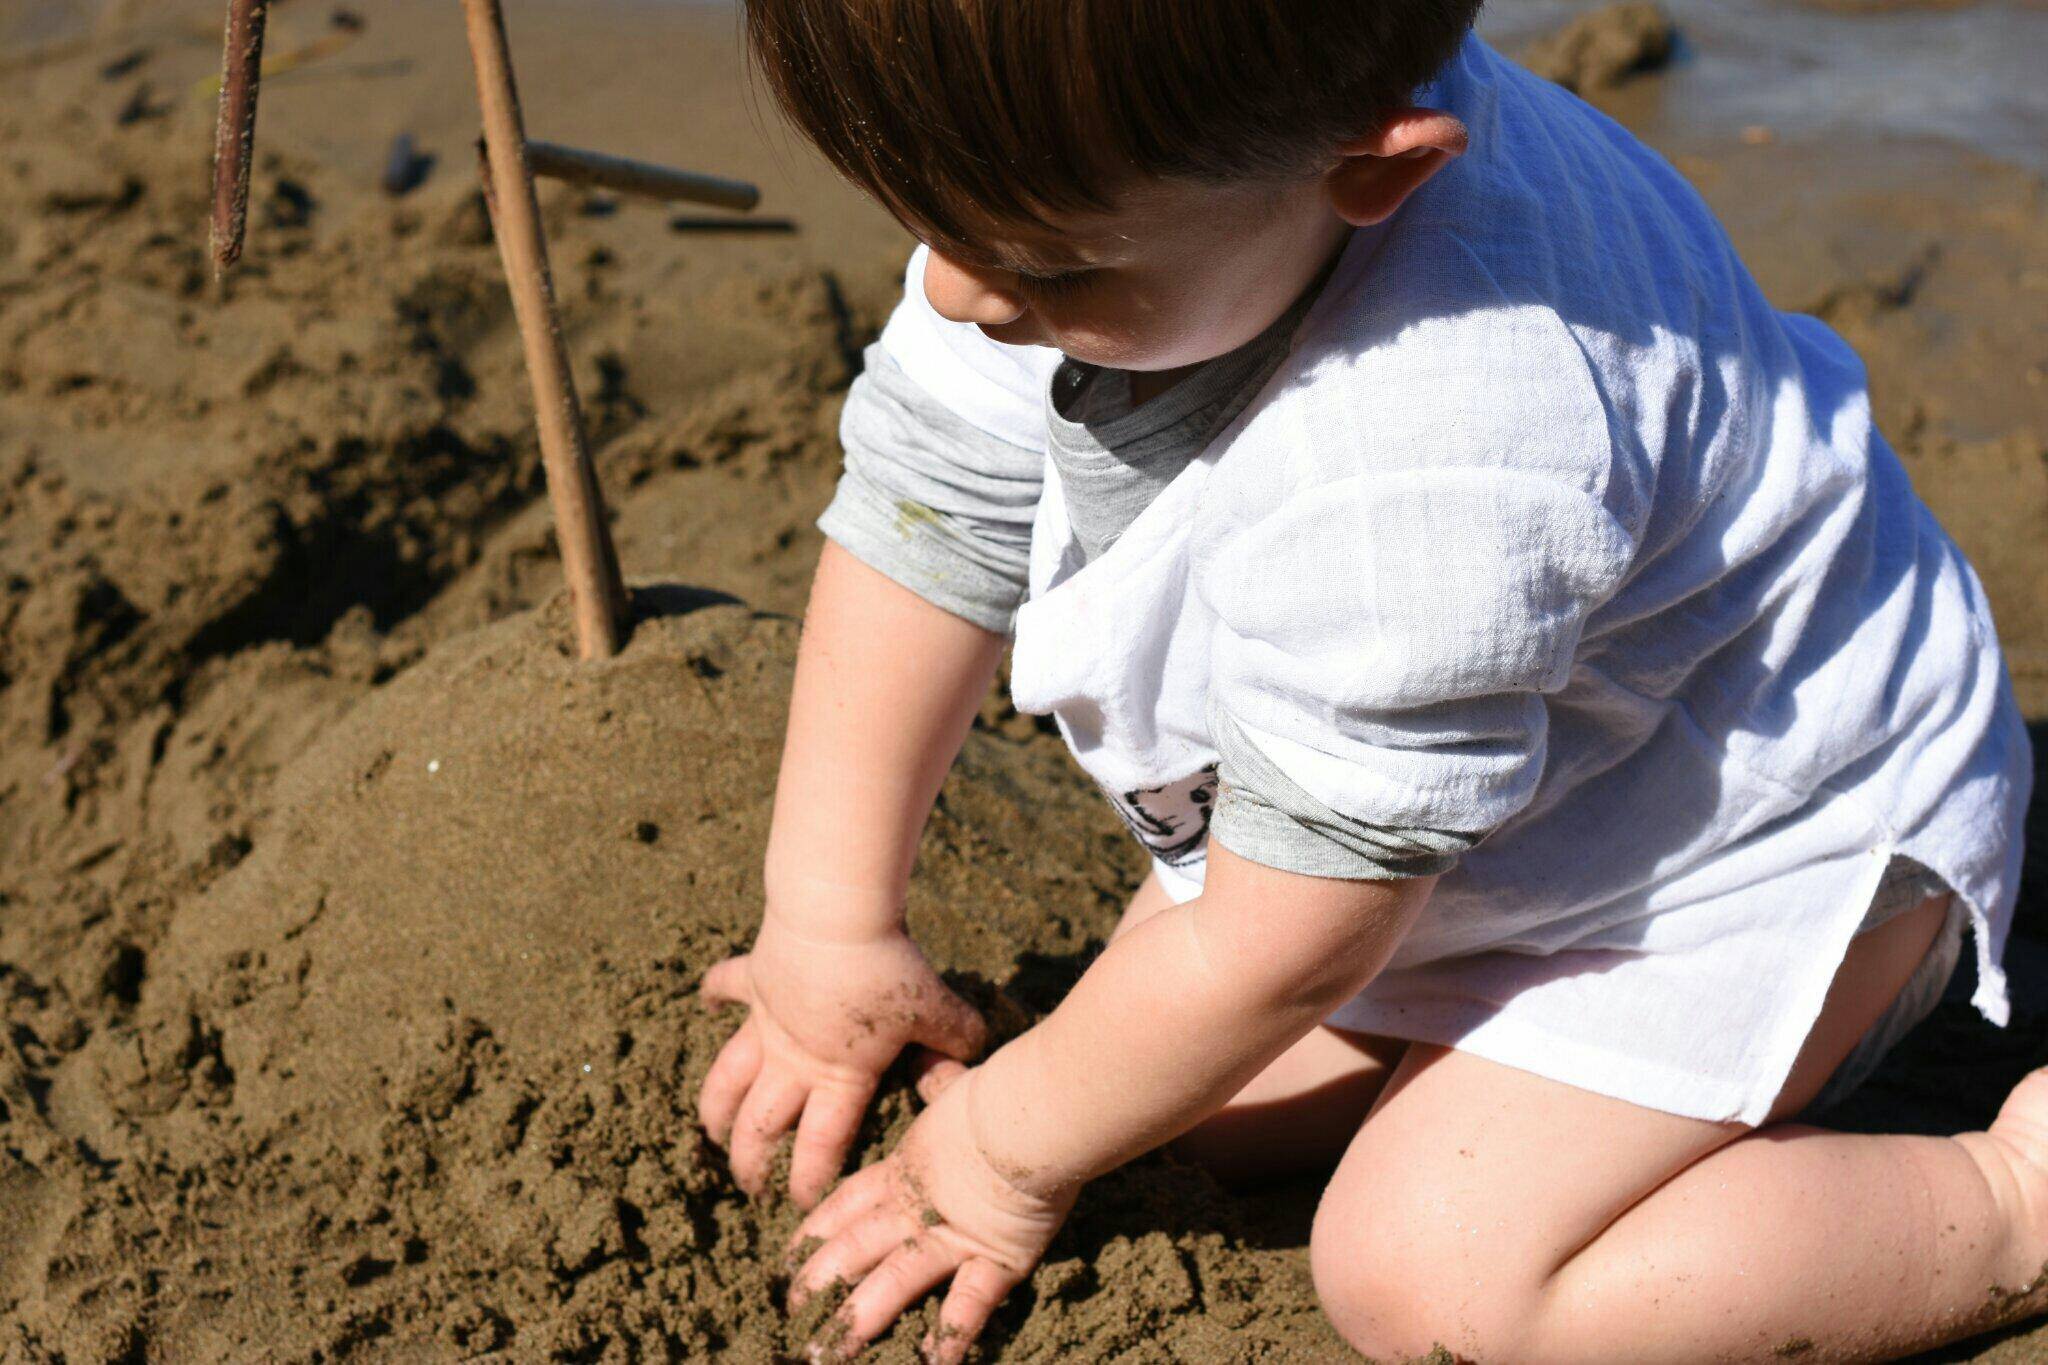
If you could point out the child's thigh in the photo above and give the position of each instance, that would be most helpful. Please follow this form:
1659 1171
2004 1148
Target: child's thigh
1472 1183
1148 900
1468 1160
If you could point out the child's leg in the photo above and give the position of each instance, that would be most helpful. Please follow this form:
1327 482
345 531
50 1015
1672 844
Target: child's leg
1514 1218
1299 1113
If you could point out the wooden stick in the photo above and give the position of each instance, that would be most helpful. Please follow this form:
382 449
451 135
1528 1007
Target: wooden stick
589 562
234 135
626 176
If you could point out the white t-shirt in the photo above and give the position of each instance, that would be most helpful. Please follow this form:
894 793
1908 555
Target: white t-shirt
1550 528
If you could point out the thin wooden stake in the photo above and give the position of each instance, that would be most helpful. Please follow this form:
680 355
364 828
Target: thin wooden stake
552 161
596 592
234 135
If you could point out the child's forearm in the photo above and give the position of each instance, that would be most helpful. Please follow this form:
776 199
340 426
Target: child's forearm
886 687
1178 1014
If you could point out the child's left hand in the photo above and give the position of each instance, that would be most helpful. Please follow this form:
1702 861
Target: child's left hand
933 1210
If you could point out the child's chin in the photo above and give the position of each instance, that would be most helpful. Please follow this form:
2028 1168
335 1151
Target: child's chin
1120 353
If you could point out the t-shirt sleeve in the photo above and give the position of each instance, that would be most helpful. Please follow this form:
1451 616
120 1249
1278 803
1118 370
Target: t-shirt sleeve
1390 621
943 471
1387 644
1265 816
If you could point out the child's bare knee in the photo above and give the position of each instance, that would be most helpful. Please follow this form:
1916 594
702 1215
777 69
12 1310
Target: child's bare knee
1397 1285
1384 1306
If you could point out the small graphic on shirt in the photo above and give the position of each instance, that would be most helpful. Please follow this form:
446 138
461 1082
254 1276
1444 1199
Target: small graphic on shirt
1172 821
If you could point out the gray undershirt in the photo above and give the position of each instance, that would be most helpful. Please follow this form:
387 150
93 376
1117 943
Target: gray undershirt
945 509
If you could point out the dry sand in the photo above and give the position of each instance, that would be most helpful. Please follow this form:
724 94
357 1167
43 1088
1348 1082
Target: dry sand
347 928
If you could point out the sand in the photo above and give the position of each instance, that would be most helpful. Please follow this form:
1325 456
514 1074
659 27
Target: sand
1604 47
347 928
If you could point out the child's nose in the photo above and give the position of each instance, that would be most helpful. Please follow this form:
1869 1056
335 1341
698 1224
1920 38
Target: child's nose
965 293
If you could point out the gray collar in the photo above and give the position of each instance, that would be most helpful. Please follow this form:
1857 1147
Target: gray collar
1114 459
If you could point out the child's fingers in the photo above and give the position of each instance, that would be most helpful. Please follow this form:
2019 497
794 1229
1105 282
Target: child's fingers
727 1083
848 1257
933 1072
856 1196
978 1288
952 1026
906 1275
767 1113
726 983
826 1132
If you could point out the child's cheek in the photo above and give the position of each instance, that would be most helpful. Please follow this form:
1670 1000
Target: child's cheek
1130 333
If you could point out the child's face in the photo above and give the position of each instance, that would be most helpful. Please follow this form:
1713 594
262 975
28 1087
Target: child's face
1180 273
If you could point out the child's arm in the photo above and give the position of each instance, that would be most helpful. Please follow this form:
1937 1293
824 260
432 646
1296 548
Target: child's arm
1168 1023
886 687
1179 1014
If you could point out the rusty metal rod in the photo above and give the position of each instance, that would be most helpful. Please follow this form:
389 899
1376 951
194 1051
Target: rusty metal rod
626 176
234 135
597 595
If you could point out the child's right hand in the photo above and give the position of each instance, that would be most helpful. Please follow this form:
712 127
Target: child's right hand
825 1018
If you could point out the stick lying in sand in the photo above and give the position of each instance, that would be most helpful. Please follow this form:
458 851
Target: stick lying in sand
625 176
234 136
589 562
346 29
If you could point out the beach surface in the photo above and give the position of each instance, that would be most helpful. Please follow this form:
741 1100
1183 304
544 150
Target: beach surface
349 929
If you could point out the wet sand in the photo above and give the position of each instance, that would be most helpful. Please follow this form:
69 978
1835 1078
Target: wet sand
346 929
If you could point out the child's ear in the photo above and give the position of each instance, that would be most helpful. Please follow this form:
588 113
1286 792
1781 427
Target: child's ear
1376 173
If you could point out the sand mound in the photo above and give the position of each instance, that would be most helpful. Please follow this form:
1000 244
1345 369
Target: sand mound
474 837
416 1075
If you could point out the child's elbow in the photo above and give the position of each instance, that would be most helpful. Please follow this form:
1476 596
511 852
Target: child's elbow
1310 943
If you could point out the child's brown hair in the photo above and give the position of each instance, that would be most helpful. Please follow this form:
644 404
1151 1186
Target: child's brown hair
963 116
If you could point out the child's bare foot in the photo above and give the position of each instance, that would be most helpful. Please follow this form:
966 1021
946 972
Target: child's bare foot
2014 1153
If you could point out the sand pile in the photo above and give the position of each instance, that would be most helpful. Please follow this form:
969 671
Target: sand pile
418 1070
